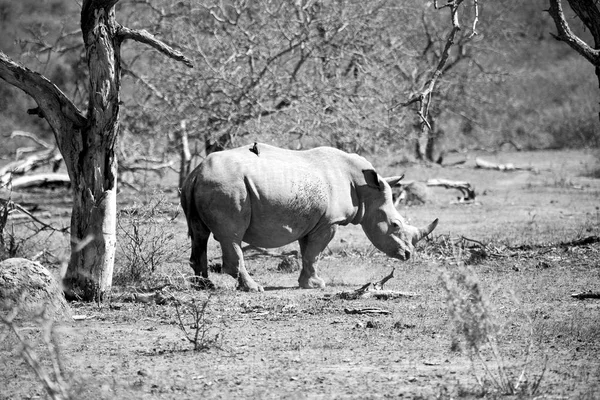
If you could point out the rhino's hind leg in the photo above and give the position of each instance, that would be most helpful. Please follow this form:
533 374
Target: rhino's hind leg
199 258
233 264
310 247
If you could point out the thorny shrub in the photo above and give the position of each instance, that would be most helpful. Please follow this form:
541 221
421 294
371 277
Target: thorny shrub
193 321
144 241
29 238
474 321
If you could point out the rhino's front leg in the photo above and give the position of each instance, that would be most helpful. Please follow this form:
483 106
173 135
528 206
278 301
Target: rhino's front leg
233 264
311 247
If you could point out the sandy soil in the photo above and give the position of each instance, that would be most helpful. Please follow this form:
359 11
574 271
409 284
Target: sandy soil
306 344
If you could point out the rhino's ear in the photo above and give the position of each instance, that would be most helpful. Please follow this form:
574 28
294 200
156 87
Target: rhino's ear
372 179
393 180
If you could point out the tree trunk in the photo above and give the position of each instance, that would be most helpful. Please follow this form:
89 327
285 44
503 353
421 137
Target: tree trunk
94 172
421 142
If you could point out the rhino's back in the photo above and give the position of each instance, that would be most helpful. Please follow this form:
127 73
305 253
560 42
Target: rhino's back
276 163
279 195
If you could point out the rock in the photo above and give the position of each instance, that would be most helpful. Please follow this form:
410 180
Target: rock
417 193
33 288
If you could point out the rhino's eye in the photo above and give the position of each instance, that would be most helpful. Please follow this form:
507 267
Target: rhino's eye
395 225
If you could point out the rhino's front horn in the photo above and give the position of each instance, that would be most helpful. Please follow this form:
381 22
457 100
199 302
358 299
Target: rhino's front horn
420 233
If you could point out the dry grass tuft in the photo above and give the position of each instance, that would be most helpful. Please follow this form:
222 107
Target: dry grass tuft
55 381
474 321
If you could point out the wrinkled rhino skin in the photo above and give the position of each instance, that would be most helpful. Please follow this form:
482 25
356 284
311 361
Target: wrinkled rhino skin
270 197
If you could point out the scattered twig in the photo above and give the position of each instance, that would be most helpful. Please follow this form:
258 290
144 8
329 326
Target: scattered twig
370 310
10 205
374 289
586 295
379 285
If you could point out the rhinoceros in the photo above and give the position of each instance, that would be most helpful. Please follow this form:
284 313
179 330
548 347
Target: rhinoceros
269 197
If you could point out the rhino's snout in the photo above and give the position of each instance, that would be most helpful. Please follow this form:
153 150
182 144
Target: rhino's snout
401 253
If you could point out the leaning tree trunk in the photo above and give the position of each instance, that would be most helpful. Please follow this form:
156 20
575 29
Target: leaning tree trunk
87 143
588 11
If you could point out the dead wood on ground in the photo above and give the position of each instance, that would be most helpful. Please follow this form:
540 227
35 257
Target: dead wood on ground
415 192
49 180
30 163
586 295
374 290
481 163
476 250
370 310
466 189
571 243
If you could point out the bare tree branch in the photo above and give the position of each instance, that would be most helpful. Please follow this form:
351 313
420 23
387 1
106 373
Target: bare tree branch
145 37
46 94
31 136
566 35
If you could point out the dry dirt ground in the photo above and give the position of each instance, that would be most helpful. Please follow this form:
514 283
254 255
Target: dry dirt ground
520 242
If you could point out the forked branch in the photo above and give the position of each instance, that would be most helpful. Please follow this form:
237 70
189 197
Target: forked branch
424 96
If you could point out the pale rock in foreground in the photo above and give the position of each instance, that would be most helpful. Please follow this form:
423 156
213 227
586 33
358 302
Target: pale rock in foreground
31 287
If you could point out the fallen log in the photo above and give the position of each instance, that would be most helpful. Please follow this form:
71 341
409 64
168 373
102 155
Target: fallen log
466 189
30 163
39 180
481 163
586 295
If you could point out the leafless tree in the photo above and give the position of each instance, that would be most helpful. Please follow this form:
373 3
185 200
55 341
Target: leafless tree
444 62
87 141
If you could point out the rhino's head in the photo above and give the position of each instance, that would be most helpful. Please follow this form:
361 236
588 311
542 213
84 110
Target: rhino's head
382 223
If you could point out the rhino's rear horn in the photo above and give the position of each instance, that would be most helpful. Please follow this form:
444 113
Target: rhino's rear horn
422 232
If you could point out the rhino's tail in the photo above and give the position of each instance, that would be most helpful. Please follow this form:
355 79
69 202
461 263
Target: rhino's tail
188 204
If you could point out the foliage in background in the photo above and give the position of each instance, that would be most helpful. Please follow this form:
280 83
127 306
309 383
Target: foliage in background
310 73
44 36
